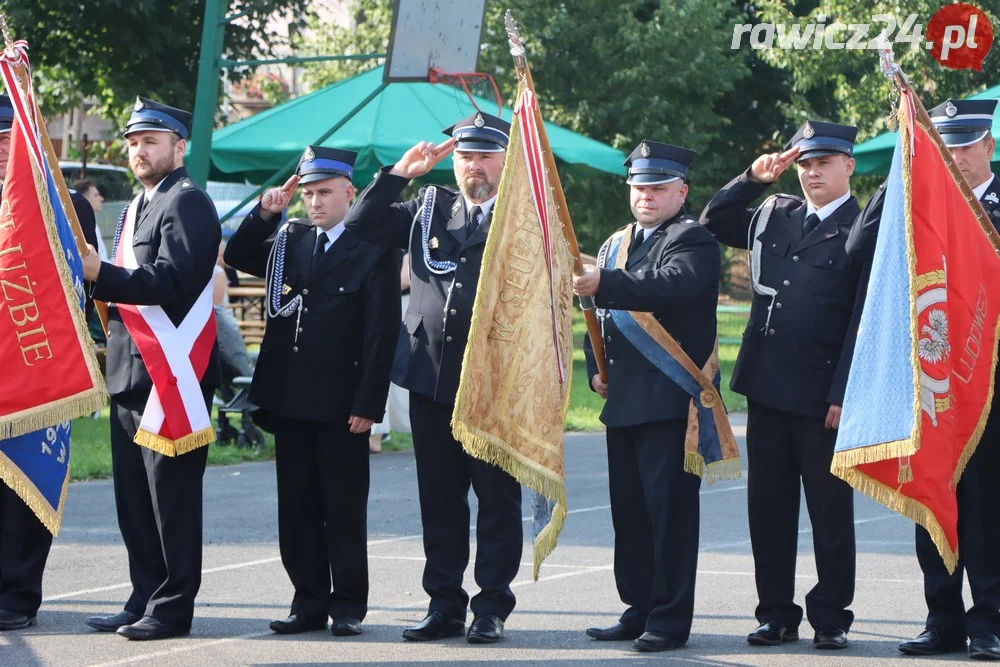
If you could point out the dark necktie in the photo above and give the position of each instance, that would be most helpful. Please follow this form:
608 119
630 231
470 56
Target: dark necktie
140 206
637 240
474 219
321 240
811 221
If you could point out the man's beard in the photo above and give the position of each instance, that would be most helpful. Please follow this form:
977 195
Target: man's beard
151 173
477 188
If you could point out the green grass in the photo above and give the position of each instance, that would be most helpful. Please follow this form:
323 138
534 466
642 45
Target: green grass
90 456
91 450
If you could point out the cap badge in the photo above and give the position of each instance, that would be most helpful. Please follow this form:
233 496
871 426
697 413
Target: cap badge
309 155
950 109
644 149
138 105
808 132
479 122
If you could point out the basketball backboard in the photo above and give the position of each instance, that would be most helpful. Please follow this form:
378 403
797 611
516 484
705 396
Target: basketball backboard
443 34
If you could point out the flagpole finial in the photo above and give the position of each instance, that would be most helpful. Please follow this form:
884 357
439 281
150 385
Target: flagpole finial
514 39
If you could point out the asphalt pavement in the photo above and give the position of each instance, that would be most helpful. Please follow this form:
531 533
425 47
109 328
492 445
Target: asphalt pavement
244 586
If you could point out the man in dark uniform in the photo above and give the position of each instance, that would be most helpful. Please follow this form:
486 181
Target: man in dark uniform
965 126
445 232
24 541
792 367
672 271
175 240
322 379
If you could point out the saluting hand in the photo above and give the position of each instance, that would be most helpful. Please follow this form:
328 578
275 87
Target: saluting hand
767 168
277 200
422 158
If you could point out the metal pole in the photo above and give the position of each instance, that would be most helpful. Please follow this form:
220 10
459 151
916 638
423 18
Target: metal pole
206 92
296 60
290 165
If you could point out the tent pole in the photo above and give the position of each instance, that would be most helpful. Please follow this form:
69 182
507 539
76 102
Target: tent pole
291 164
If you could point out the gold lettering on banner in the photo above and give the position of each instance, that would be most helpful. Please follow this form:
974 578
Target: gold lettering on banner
527 242
974 342
18 295
6 219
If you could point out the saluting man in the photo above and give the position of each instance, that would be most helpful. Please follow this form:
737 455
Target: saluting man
445 232
671 270
966 127
166 246
321 380
792 367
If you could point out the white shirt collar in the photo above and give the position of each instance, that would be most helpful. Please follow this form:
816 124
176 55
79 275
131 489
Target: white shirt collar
484 207
981 189
152 191
828 210
646 233
332 234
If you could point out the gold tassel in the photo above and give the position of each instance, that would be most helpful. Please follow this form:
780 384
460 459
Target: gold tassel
905 474
172 448
724 470
694 463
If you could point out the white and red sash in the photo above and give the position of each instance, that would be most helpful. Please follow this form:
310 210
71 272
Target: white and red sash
175 420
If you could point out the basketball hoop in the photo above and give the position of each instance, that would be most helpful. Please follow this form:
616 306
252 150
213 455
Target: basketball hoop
464 79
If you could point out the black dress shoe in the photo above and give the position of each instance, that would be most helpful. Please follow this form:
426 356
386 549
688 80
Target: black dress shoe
830 639
113 622
11 620
984 646
655 641
297 623
148 628
932 642
771 634
345 626
615 633
435 626
485 629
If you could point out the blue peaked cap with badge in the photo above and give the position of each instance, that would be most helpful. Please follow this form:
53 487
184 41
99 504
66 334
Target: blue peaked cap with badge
480 133
319 163
150 116
652 163
6 114
816 139
963 122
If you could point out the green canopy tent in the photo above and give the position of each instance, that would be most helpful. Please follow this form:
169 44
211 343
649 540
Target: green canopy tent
875 155
379 121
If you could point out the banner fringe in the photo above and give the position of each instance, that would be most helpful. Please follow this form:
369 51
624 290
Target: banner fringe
13 477
485 448
724 470
168 447
57 412
908 507
896 449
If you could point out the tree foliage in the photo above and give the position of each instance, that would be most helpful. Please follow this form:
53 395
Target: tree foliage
114 50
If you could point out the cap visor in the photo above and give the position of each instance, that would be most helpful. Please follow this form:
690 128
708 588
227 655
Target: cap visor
320 176
960 139
478 147
651 179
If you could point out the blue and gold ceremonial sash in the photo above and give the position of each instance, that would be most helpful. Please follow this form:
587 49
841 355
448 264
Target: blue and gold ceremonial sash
710 449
